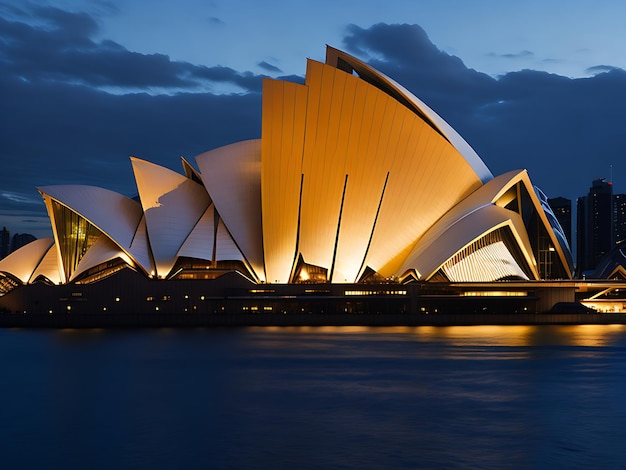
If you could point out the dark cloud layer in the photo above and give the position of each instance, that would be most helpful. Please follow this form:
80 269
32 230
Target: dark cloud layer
62 125
59 48
269 67
518 55
73 108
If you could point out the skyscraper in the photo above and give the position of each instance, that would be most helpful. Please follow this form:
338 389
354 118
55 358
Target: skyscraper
4 242
595 228
619 217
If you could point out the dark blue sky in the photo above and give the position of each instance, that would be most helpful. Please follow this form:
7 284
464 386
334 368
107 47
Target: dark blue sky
80 93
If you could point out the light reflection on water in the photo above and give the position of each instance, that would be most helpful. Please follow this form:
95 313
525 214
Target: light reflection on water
315 397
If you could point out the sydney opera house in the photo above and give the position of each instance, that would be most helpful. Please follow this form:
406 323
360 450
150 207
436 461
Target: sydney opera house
353 181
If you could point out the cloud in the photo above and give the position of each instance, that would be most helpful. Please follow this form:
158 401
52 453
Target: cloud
269 67
19 198
405 53
519 55
59 47
215 20
601 69
87 133
64 126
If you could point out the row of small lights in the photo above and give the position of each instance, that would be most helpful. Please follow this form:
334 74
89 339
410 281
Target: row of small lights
117 299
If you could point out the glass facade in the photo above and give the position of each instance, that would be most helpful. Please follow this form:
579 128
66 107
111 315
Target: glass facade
75 236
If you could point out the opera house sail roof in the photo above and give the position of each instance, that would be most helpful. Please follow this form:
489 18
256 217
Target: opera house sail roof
354 179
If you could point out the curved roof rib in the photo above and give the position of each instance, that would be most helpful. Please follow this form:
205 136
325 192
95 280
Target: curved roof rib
487 260
172 204
339 59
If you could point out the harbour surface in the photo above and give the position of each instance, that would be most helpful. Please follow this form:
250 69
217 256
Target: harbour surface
534 396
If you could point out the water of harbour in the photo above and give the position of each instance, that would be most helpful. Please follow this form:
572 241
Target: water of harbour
375 398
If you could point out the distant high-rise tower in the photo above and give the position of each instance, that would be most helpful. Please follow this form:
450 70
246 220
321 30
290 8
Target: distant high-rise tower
562 208
595 228
619 217
4 242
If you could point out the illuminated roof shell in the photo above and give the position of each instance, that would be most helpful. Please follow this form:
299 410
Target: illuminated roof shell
479 213
173 204
114 214
23 262
49 267
342 161
102 251
231 176
352 174
333 56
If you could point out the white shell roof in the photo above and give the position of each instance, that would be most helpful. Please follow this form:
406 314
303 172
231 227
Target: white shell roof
199 243
473 216
101 251
23 262
427 258
49 267
114 214
225 247
140 249
173 205
232 177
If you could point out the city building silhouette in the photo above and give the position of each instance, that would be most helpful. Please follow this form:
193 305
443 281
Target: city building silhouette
619 217
4 242
595 227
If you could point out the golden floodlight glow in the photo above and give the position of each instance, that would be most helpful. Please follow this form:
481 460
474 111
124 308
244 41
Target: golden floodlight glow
304 274
354 179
